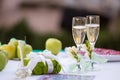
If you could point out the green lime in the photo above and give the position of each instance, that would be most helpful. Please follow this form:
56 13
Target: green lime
3 59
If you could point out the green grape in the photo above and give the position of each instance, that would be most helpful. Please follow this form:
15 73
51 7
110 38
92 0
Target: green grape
55 66
58 68
42 68
26 60
45 68
38 68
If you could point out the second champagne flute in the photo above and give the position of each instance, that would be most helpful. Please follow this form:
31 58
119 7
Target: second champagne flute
93 25
78 32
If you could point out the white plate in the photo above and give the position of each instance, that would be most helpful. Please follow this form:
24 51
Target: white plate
111 57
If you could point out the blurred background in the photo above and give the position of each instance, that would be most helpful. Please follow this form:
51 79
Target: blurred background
38 20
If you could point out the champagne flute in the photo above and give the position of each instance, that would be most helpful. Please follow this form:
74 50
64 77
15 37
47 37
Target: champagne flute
93 26
22 72
78 32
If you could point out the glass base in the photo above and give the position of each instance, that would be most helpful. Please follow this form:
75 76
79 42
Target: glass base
23 72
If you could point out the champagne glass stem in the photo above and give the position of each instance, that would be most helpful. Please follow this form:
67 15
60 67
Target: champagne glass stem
92 45
79 48
21 54
79 53
92 65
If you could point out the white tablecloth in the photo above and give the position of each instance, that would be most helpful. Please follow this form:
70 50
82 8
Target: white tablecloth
107 71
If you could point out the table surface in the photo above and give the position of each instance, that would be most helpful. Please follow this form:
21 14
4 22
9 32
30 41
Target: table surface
106 71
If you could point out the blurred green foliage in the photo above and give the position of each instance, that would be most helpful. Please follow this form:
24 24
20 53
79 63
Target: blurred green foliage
21 30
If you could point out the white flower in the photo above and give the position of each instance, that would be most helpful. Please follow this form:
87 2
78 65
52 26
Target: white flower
72 51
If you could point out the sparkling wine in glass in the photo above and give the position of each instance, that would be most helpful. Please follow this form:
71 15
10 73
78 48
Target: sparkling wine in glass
93 27
78 32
